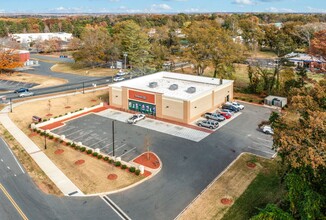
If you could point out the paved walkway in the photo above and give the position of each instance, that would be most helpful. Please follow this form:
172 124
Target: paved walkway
50 169
160 126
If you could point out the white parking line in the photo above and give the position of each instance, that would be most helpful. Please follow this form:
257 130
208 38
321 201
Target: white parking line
82 136
267 152
264 139
116 148
128 151
62 131
97 142
260 144
108 145
74 132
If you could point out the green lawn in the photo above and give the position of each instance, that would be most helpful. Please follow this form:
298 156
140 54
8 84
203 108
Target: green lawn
266 188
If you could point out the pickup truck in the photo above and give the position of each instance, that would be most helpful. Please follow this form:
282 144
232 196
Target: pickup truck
214 116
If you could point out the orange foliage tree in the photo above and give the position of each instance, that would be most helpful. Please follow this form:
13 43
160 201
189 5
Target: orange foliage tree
318 44
9 60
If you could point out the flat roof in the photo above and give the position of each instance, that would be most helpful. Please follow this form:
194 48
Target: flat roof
166 79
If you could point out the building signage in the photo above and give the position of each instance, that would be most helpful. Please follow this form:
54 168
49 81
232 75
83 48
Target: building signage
142 96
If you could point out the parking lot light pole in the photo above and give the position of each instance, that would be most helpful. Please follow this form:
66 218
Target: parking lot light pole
83 87
44 140
10 104
125 54
113 138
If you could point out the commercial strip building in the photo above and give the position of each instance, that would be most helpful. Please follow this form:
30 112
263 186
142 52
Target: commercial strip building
172 96
31 37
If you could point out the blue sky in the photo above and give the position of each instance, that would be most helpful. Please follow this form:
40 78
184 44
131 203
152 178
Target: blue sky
160 6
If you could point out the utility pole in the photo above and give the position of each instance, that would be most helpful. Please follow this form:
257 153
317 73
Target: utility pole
113 137
10 104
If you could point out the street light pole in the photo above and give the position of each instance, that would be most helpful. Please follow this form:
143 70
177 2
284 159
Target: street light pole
83 88
10 104
113 138
125 54
45 140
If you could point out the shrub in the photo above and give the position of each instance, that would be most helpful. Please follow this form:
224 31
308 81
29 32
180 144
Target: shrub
82 149
137 172
38 131
95 154
132 169
51 137
60 115
45 119
34 129
66 113
61 141
43 133
77 147
117 164
80 109
73 145
55 116
89 151
68 144
110 161
99 156
250 100
124 166
105 158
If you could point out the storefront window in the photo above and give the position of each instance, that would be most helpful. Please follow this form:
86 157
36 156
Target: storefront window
142 107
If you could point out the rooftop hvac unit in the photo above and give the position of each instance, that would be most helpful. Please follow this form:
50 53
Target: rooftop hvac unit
174 87
191 89
153 84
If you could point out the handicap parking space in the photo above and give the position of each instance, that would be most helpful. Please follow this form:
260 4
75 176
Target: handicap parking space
8 85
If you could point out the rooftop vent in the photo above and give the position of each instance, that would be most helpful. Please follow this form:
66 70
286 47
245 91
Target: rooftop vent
191 89
174 87
153 85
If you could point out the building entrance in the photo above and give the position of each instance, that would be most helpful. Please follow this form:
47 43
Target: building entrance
144 108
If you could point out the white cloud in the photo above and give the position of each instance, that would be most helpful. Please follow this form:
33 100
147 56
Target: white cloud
316 10
160 7
243 2
176 0
192 10
279 10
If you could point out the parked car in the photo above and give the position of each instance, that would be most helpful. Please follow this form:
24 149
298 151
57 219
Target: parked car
135 118
236 104
118 78
230 107
26 94
267 129
21 90
227 111
214 116
226 115
208 124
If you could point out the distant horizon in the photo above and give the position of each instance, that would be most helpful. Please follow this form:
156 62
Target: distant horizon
161 6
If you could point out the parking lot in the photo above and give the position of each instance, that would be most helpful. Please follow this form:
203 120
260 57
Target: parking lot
8 85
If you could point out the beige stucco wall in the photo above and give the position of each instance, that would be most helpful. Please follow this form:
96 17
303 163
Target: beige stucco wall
172 109
200 105
220 95
116 96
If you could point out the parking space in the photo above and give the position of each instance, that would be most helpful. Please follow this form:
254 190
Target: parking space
96 132
8 85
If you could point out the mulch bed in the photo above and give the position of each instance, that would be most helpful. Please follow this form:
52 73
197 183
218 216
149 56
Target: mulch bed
148 160
112 176
59 151
68 107
251 165
32 134
48 115
93 100
226 201
79 162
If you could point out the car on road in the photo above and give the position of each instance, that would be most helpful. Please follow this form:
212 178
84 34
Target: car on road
267 129
26 94
118 78
121 73
226 115
208 124
136 118
20 90
236 104
214 116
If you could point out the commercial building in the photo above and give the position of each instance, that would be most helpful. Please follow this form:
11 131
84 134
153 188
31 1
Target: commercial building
172 96
31 37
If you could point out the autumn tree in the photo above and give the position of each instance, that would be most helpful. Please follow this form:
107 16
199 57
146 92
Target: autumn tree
318 44
96 47
9 60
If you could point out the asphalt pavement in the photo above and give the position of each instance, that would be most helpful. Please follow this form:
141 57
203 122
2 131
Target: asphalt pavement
36 205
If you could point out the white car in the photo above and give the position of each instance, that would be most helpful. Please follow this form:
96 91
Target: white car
118 78
235 104
268 129
135 118
26 94
121 73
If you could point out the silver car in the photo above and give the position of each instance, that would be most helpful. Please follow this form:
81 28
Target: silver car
26 94
208 124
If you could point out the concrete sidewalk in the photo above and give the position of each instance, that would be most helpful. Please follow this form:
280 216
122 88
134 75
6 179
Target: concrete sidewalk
67 187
